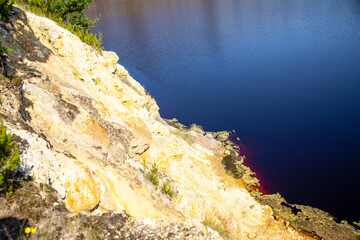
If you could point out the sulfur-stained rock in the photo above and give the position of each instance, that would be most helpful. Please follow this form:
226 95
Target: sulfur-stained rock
110 58
82 192
86 127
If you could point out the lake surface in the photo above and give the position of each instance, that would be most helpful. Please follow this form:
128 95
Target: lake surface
284 74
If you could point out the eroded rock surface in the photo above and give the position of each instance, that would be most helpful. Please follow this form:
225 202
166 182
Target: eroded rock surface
89 130
37 207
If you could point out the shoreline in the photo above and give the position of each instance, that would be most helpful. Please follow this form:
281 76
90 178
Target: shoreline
308 221
101 128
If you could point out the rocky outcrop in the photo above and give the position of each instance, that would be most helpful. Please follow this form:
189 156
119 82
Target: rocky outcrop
38 208
310 220
89 130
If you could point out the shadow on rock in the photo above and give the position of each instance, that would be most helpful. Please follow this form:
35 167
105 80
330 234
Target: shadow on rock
20 38
12 228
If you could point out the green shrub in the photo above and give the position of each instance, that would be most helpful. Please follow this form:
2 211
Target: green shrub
67 10
9 158
5 8
68 14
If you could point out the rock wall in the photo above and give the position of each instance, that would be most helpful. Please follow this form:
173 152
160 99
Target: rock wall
88 129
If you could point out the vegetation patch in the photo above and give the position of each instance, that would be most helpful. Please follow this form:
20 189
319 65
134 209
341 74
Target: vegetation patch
17 81
357 223
68 14
5 7
9 160
166 189
235 167
153 177
176 124
96 80
308 220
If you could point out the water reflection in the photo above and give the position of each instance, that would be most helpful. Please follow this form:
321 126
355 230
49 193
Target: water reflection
138 34
211 31
284 74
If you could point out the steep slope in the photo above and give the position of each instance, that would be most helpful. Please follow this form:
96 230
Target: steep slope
88 129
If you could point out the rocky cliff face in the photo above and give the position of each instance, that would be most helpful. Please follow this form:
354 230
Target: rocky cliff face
88 129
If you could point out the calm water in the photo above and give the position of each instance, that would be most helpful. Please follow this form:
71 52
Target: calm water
284 74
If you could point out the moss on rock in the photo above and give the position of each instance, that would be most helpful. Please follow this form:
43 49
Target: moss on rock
310 220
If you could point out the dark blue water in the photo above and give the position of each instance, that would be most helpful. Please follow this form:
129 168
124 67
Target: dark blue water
284 74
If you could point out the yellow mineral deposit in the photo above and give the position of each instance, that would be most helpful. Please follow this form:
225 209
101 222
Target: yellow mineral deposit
98 135
82 192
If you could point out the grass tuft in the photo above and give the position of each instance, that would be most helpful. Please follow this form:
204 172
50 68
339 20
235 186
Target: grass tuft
166 189
152 175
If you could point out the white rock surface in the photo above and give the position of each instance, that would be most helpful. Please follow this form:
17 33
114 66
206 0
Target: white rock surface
89 127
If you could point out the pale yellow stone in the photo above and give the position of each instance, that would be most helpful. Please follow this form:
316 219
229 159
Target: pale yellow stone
94 132
82 193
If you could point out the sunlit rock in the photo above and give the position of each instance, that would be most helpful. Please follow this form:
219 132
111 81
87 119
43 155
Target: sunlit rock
93 133
82 192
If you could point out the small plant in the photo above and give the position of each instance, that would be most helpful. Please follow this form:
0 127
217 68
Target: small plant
96 80
76 73
5 7
152 175
344 222
166 189
17 81
30 230
4 49
9 159
144 164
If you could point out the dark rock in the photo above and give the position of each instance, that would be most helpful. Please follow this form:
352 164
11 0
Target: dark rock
310 220
10 228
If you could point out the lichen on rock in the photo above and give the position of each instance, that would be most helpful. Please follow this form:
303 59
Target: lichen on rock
309 220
